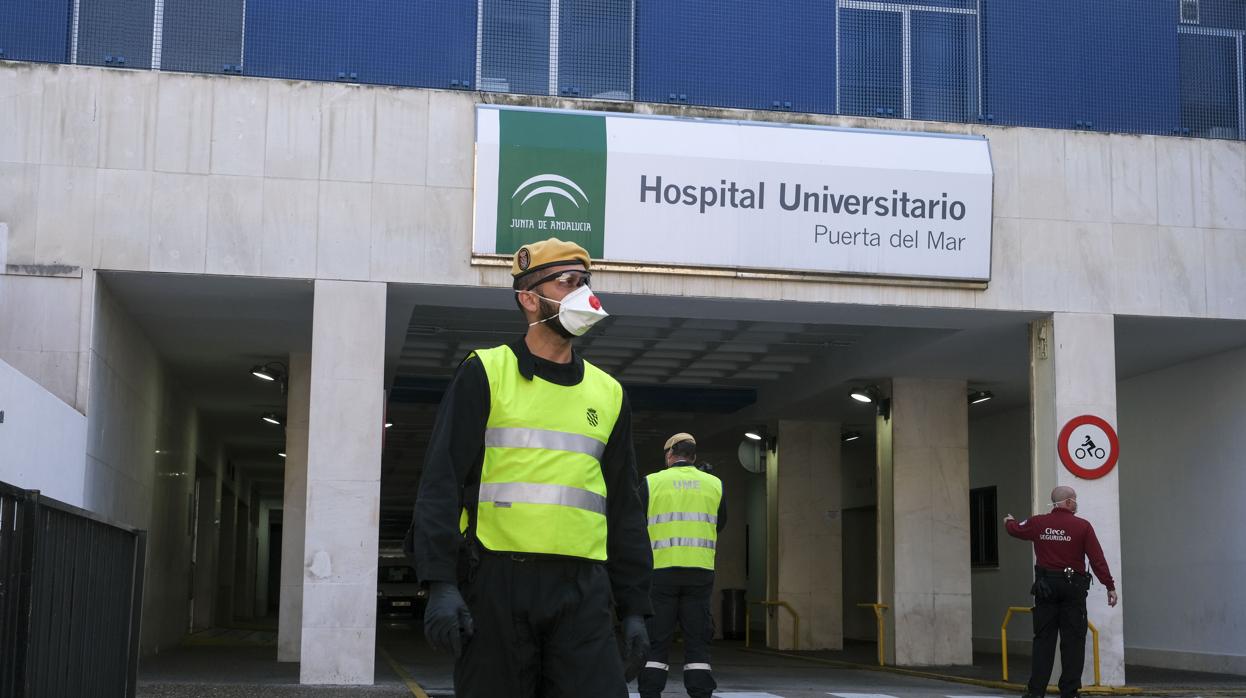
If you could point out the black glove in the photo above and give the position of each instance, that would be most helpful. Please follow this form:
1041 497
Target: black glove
636 643
447 622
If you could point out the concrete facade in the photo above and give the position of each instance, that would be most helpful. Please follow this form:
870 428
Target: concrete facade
259 170
343 483
930 609
1074 373
1179 493
810 527
294 510
357 187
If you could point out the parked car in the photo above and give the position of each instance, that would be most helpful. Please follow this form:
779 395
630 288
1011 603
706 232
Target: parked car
398 590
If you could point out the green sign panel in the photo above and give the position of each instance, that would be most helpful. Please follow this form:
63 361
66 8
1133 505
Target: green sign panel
551 180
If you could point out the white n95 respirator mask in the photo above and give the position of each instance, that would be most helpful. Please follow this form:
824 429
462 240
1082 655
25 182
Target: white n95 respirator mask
578 311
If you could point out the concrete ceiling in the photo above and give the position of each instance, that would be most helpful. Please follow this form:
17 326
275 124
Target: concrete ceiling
793 360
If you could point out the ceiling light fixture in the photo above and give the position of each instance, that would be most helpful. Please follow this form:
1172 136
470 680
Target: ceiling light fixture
865 394
389 424
851 436
281 453
272 372
752 435
868 394
271 418
980 396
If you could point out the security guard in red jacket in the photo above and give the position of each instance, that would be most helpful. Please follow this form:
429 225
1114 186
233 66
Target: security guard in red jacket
1062 543
527 520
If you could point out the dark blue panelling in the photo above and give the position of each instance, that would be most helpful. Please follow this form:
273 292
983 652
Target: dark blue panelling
35 31
303 39
1209 86
957 4
393 42
514 53
115 32
871 55
737 53
422 43
1224 14
202 37
595 48
945 66
1111 64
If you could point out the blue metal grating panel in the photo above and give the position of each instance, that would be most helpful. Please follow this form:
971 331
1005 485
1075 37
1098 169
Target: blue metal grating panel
1127 66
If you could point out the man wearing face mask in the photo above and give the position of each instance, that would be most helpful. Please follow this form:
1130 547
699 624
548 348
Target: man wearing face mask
1062 544
527 521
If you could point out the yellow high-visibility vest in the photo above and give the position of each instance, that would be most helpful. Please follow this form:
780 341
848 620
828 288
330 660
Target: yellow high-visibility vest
541 484
683 517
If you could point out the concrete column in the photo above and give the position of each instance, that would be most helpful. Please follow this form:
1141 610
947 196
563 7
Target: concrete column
261 561
810 568
1072 373
884 534
923 486
343 483
293 510
228 559
244 570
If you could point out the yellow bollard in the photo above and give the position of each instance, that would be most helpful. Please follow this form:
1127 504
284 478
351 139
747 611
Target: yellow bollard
1003 641
882 629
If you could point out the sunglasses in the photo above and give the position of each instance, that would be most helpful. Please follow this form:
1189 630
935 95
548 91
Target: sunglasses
567 280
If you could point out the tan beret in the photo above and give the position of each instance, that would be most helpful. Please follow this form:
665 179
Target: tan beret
547 253
681 436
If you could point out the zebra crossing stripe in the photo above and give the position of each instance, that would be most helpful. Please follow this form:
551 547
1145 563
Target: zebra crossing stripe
886 695
729 694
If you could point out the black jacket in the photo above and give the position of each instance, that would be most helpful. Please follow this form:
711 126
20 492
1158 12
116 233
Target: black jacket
451 480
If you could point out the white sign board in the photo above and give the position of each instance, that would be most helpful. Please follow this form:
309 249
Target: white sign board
732 194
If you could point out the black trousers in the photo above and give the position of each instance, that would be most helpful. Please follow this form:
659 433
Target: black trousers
1060 609
543 629
689 606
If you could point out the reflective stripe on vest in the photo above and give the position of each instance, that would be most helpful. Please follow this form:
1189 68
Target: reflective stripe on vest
516 437
684 542
541 485
504 494
683 517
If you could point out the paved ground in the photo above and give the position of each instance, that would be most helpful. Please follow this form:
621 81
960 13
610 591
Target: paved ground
225 664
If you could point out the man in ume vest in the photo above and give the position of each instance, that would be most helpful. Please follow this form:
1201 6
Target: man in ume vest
685 510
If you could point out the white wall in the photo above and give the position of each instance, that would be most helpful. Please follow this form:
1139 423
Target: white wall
151 171
42 439
208 523
142 438
999 456
40 325
1183 436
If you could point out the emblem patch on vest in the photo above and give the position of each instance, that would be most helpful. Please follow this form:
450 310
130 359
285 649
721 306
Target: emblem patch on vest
592 417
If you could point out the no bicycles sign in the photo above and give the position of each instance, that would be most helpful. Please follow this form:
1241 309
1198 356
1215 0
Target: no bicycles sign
1088 447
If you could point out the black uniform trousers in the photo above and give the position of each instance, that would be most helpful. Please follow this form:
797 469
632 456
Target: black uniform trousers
689 606
1060 608
543 629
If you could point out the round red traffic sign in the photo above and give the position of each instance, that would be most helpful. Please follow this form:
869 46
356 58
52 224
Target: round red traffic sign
1088 447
